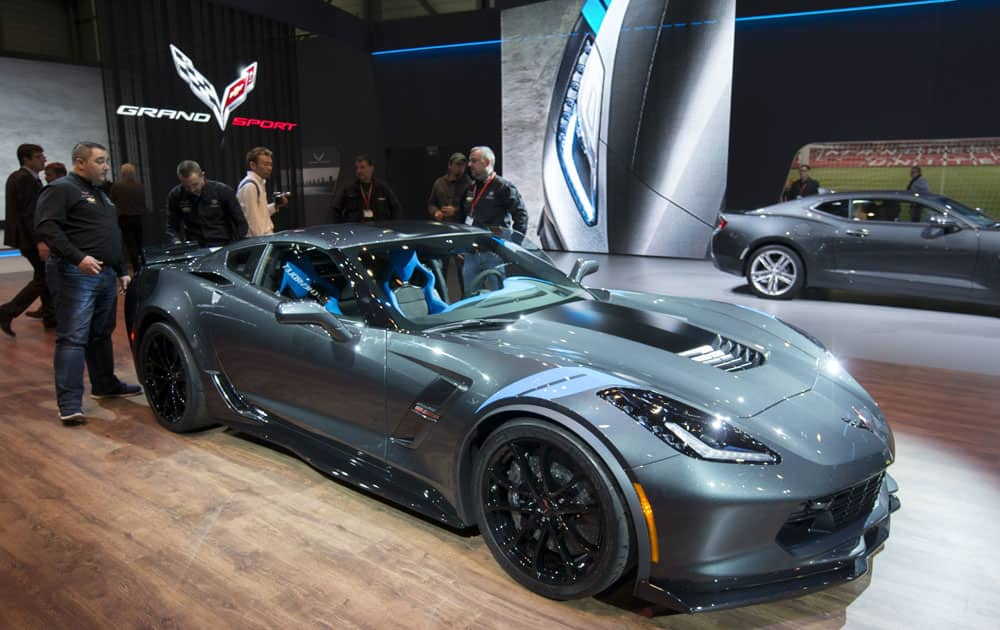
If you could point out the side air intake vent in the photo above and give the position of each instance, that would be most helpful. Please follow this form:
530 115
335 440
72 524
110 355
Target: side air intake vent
726 354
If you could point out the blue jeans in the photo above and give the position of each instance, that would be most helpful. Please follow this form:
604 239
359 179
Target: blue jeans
86 309
474 264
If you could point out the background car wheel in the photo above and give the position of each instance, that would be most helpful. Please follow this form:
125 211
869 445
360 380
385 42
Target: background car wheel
170 378
550 512
776 272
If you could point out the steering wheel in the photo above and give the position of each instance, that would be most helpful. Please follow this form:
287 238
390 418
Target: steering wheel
479 281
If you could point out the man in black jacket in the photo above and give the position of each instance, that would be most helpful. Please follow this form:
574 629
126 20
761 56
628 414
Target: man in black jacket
23 187
367 199
85 272
491 202
203 210
804 186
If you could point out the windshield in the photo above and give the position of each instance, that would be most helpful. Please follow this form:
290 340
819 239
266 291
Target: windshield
475 279
975 217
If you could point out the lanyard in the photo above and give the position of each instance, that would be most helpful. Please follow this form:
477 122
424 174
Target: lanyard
472 207
368 197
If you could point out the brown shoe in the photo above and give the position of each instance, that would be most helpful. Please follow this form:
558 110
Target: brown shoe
35 314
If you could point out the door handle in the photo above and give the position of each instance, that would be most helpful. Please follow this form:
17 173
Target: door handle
859 233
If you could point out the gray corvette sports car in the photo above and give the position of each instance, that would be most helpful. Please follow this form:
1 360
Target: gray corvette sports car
708 453
882 242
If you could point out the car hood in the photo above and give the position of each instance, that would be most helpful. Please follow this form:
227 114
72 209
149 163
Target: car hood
639 339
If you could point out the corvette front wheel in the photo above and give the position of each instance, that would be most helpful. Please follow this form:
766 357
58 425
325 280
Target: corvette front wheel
550 512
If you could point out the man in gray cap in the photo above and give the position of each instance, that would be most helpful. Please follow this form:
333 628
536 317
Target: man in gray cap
447 192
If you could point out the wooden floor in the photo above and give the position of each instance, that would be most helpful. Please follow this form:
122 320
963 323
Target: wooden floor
120 524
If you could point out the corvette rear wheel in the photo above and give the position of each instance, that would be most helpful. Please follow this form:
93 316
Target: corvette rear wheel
550 512
776 272
170 378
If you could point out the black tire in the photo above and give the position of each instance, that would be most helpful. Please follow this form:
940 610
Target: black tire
170 379
562 531
775 272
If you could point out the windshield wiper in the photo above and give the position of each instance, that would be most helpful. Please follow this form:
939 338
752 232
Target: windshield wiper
476 322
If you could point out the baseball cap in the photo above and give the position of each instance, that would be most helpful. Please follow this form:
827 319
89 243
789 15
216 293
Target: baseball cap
457 157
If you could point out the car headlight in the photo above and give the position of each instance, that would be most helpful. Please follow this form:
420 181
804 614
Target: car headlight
579 129
690 431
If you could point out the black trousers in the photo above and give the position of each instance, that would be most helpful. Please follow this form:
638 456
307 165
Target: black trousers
131 226
36 288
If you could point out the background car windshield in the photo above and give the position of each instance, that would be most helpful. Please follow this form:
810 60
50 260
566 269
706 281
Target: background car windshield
436 281
974 217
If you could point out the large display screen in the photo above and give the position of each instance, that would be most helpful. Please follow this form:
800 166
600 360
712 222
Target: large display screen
37 109
616 121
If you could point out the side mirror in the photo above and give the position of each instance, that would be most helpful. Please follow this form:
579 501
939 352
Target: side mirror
309 312
946 223
582 268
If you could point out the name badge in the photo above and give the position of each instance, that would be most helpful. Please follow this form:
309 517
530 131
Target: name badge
469 220
368 214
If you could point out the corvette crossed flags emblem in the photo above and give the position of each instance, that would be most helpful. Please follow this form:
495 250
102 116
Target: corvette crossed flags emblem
232 97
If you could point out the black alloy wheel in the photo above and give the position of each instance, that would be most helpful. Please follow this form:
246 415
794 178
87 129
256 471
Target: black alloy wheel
550 512
170 379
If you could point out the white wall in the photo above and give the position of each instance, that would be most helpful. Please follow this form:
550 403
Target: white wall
55 105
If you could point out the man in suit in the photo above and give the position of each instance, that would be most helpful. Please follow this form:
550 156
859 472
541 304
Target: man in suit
23 187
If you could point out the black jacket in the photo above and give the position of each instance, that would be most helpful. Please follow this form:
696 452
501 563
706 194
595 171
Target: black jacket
349 205
798 188
22 192
76 219
212 218
499 205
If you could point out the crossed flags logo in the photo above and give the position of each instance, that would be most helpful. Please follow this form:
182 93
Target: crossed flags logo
232 97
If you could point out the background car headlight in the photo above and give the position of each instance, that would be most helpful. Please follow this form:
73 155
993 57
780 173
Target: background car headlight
579 129
690 431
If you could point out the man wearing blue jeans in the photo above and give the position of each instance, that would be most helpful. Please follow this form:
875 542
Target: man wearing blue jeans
85 271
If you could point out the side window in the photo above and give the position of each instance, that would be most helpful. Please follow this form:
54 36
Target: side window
914 212
303 272
875 209
836 208
244 261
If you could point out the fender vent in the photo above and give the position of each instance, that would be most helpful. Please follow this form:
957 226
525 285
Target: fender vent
726 354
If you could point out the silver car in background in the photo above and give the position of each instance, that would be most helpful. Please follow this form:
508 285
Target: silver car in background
897 243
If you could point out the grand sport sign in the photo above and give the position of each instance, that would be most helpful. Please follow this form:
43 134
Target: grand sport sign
220 107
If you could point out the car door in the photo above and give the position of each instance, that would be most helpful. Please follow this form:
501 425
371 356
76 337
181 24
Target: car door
898 246
298 372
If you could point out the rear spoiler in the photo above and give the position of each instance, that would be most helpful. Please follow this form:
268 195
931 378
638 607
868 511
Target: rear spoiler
155 255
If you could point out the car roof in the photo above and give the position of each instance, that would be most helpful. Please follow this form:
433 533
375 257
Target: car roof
341 235
894 194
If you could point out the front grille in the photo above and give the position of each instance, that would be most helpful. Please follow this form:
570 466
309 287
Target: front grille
855 502
828 514
726 354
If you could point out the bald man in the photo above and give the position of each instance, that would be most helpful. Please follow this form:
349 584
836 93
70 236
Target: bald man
129 196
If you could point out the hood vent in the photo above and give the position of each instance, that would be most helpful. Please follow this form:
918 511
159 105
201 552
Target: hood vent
726 354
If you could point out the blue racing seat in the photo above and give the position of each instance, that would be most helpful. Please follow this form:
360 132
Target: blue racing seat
410 299
300 278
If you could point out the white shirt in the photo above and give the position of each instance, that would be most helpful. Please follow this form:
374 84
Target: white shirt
252 195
